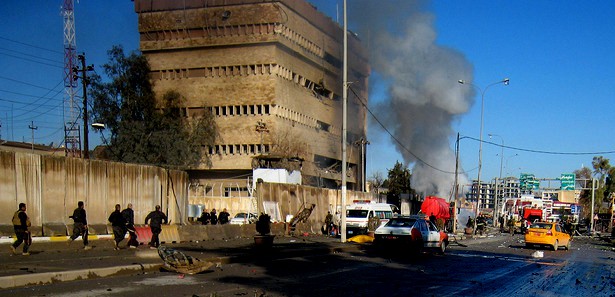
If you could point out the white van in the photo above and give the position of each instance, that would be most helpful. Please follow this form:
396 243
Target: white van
358 214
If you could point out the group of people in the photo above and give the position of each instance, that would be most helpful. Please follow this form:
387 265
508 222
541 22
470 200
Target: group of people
213 218
121 222
332 224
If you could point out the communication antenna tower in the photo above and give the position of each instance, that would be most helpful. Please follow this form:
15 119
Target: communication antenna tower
72 137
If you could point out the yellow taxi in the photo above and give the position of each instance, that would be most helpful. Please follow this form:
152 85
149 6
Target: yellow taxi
549 234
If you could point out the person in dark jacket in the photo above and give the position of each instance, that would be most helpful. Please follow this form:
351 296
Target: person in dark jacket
157 218
129 217
119 227
21 223
204 218
223 217
213 218
80 227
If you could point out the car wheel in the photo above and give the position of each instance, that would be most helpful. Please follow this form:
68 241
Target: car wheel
443 247
567 247
528 245
556 245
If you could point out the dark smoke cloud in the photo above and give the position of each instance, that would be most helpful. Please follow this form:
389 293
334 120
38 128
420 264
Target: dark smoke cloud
423 97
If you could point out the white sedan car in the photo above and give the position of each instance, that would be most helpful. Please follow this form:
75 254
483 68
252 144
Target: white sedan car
414 232
243 218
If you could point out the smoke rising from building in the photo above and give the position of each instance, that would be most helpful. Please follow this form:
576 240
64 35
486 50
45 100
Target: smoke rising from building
423 97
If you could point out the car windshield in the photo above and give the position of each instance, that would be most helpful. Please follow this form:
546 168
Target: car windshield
541 226
356 213
401 222
241 215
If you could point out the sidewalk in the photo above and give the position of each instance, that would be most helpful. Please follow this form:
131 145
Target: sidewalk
54 260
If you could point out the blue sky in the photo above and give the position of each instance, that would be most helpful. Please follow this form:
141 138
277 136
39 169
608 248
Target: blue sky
557 54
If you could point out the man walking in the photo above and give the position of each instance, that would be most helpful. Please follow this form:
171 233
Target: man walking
129 217
119 227
80 227
21 222
157 218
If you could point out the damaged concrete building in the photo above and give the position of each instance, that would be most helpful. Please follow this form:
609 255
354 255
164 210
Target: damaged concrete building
270 72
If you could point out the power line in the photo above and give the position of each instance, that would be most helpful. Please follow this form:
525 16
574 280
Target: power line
22 94
25 83
395 138
544 152
30 45
32 60
472 138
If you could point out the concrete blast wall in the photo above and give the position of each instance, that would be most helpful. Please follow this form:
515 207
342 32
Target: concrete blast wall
51 186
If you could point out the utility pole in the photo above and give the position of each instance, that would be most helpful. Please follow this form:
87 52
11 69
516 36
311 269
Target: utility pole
456 189
591 228
362 142
32 127
612 212
84 83
344 119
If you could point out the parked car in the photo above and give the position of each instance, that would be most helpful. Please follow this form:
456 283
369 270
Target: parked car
549 234
243 218
414 232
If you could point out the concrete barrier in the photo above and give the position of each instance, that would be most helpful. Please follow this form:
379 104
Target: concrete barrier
169 234
144 234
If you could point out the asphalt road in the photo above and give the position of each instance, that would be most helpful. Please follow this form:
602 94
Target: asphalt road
496 266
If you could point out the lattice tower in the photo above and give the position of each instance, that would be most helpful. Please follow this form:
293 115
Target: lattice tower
72 112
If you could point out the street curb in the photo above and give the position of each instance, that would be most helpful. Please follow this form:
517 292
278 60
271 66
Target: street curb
57 238
54 277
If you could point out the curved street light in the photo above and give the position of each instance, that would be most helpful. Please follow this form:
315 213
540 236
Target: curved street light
505 81
508 159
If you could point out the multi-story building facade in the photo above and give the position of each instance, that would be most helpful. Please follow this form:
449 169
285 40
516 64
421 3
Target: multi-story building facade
485 193
270 72
494 193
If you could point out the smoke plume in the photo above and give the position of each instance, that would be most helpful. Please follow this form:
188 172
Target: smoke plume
423 97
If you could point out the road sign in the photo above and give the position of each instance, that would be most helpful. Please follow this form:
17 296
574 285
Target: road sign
567 181
528 181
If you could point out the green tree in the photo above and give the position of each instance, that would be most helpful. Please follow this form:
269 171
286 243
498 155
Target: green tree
398 183
602 167
142 129
609 185
584 177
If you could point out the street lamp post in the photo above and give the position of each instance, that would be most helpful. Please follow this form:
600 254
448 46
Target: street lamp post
505 81
456 189
508 159
497 181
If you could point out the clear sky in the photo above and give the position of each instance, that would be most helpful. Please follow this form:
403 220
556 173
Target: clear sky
557 54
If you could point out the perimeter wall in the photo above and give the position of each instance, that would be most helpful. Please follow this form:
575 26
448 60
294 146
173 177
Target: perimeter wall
51 186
